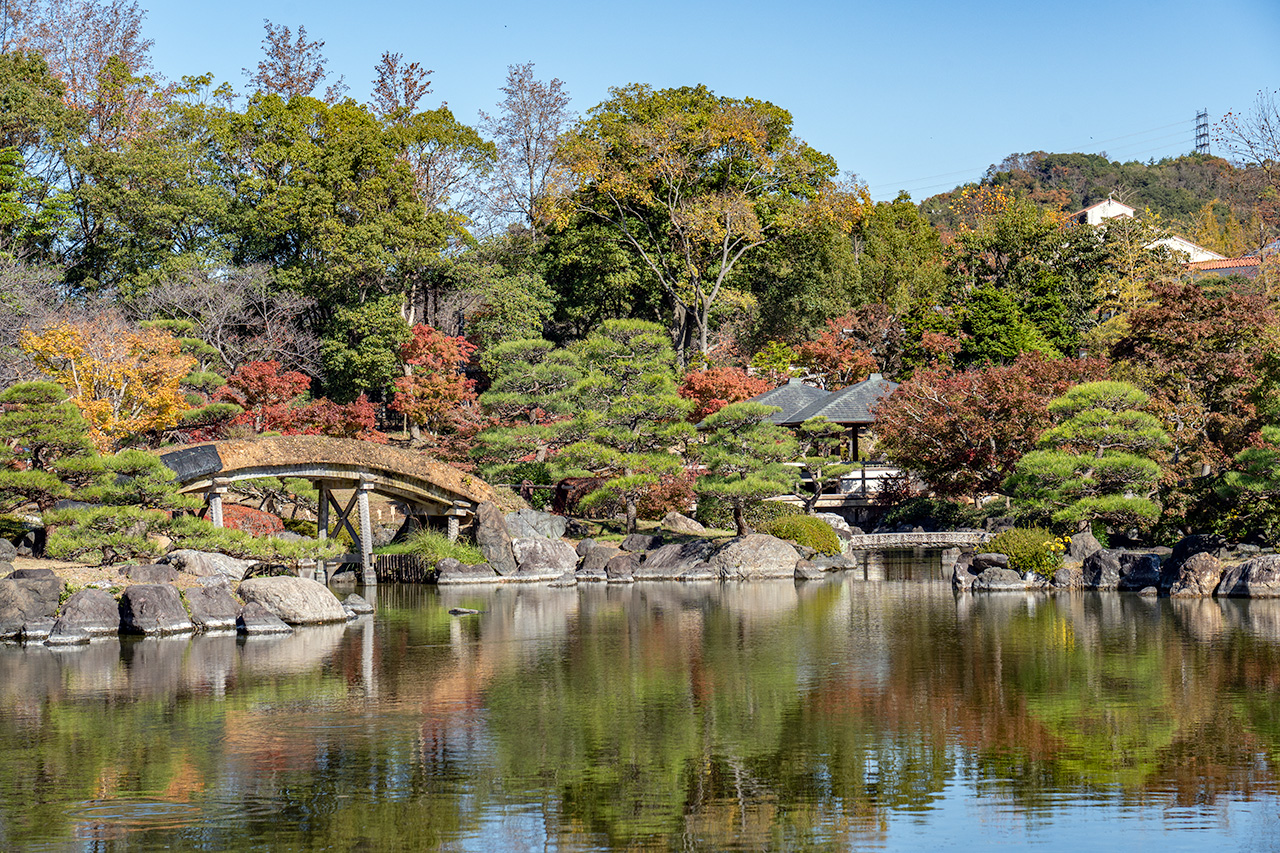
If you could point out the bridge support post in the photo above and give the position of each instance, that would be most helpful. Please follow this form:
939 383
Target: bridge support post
322 512
366 533
216 491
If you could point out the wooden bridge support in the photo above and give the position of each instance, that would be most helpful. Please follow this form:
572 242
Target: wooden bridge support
359 505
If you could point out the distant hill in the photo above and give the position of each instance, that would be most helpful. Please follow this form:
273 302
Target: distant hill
1203 197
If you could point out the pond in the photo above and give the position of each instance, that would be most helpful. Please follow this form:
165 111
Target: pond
876 710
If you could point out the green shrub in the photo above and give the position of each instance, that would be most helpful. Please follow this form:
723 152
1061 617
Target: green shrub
805 530
715 513
1030 549
432 546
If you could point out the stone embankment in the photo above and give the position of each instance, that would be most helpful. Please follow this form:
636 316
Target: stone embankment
1198 566
527 546
190 592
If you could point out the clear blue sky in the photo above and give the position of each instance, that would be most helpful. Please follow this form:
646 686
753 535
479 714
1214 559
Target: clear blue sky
908 95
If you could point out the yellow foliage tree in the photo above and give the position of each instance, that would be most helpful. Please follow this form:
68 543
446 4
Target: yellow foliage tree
124 380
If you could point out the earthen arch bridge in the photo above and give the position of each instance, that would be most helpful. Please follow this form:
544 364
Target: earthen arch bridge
424 485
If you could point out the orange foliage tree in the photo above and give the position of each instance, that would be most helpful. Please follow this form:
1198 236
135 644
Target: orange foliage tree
435 385
716 387
125 381
277 402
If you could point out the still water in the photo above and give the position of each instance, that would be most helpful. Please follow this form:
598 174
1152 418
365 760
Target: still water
874 711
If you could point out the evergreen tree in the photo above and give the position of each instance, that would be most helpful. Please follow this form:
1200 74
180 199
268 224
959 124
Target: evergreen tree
742 454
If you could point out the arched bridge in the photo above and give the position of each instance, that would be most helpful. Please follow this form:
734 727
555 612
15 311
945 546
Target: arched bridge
426 486
942 539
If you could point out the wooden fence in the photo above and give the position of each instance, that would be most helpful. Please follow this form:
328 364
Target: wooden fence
402 568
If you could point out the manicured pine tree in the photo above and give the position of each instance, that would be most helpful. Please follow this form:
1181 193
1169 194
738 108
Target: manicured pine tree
1098 463
742 453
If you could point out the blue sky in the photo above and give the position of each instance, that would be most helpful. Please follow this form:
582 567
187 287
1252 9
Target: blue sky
907 95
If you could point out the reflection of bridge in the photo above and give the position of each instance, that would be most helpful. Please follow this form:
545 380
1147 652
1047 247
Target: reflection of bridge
425 486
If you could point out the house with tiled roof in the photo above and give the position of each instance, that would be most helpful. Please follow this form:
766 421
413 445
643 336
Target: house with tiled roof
1094 214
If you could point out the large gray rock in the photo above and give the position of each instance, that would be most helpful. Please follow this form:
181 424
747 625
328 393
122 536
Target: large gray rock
1255 578
673 561
807 571
1083 544
677 523
204 564
1198 576
1069 576
594 561
999 580
357 605
1189 546
637 542
7 551
755 557
213 607
621 568
982 562
528 523
1101 569
90 610
494 539
543 559
837 522
153 609
153 573
297 601
449 571
963 573
25 599
1138 570
255 619
586 545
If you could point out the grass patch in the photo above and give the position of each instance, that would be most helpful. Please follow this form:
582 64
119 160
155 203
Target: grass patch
432 546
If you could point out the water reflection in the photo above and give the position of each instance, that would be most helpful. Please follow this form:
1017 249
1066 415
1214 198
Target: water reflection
865 710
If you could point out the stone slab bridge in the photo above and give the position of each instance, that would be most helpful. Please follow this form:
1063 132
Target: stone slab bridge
944 539
425 486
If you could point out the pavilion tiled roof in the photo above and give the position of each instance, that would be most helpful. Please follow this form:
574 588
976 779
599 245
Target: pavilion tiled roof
1226 263
791 398
852 405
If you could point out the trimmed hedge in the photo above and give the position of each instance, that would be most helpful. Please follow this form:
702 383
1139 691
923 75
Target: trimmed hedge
806 530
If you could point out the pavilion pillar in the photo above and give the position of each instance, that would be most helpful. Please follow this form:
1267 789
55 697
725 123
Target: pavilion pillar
216 491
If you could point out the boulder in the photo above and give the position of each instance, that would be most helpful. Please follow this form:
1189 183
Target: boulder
807 571
832 563
357 605
962 571
67 635
754 557
700 572
677 523
999 580
38 630
31 574
593 563
494 539
213 607
7 552
1101 569
543 559
25 599
1258 577
297 601
154 573
153 609
584 546
90 610
1083 544
837 522
1198 576
566 579
450 571
982 562
1138 570
254 618
621 568
1187 547
529 523
641 542
672 561
1069 576
205 564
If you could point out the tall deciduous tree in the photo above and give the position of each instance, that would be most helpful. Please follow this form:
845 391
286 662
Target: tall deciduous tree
434 384
291 65
526 129
398 86
693 182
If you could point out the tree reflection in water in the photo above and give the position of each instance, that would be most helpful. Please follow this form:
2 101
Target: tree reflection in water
695 716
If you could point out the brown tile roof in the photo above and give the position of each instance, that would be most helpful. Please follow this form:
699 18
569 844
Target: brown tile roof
1226 263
